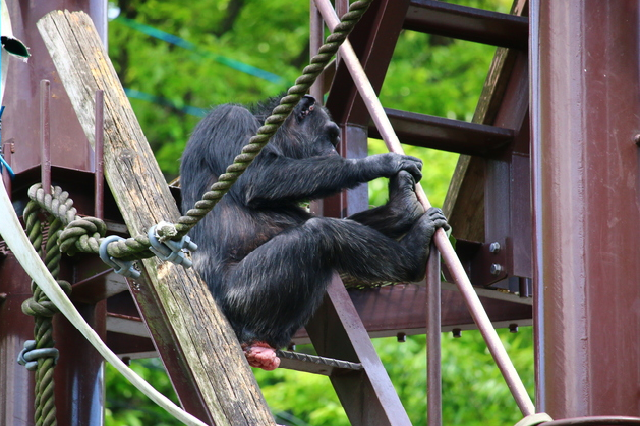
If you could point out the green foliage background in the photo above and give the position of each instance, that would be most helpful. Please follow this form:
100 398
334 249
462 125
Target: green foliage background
428 74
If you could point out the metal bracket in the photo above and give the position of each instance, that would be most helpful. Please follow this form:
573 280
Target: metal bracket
122 267
170 250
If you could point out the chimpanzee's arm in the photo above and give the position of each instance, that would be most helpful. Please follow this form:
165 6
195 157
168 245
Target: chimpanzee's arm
278 178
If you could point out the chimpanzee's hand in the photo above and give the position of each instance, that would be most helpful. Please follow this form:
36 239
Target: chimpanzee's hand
387 165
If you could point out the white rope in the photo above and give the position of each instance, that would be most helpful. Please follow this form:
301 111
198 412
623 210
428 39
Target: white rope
19 244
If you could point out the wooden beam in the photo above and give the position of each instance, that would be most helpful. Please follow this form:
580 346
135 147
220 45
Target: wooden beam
205 352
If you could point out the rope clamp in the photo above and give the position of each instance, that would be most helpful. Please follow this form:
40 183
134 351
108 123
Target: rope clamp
170 250
29 355
122 267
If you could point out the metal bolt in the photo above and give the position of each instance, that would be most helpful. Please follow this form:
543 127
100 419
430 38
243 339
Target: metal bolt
496 269
494 248
636 139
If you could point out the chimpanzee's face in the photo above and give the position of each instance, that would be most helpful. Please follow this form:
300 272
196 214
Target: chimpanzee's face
315 123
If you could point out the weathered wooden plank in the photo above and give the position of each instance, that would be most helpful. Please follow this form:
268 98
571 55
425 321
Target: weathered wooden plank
204 345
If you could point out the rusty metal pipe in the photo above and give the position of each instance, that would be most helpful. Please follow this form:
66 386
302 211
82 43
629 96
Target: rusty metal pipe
316 38
536 201
494 344
45 134
99 155
434 339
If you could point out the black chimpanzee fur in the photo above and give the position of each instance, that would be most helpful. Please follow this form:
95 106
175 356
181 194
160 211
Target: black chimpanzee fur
268 261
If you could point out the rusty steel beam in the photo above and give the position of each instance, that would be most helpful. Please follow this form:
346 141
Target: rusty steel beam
586 189
17 385
467 23
367 395
99 156
434 338
390 310
79 373
374 39
445 134
45 134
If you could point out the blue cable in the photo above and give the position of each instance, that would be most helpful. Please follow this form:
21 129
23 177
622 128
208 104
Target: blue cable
175 40
187 109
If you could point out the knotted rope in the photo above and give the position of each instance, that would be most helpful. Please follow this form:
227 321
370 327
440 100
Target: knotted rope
43 310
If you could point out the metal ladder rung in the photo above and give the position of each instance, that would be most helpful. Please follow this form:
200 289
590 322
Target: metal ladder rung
315 364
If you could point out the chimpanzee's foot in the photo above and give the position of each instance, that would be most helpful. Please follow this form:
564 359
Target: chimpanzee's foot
261 355
403 199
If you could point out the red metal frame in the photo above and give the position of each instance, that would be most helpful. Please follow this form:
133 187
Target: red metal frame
585 198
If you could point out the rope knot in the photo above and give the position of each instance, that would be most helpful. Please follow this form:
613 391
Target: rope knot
40 305
82 234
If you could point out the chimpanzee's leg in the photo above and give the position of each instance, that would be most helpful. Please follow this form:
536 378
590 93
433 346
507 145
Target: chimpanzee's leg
395 218
275 289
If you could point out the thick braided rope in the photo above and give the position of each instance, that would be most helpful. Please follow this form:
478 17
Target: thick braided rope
83 234
75 237
273 123
43 310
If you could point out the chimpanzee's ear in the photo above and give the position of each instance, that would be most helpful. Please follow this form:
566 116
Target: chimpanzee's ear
304 107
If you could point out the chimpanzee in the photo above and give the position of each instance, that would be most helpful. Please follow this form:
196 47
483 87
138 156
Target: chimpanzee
266 259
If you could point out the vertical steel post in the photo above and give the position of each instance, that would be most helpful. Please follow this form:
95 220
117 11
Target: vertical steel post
45 135
585 179
434 339
17 384
99 155
316 38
